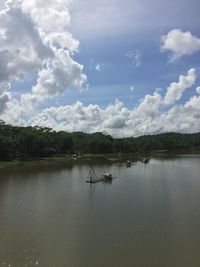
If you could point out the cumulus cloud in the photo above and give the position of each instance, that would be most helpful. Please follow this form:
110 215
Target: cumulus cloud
183 118
115 119
34 39
60 73
180 43
176 89
115 116
4 99
150 105
4 96
21 47
15 113
52 19
150 116
119 121
71 118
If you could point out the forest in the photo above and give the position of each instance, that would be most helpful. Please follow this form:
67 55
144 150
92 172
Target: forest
24 143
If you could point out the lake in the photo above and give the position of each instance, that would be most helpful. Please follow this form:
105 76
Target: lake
148 216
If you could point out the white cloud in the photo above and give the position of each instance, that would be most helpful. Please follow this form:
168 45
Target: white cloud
52 19
4 87
184 118
115 119
150 105
148 117
70 118
132 88
119 121
2 4
198 90
4 96
34 39
15 114
21 47
98 67
4 99
180 43
60 73
176 89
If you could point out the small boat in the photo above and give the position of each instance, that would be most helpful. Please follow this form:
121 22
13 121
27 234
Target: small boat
128 163
146 160
74 157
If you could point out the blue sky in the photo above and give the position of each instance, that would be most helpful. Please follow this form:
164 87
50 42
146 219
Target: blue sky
137 26
124 67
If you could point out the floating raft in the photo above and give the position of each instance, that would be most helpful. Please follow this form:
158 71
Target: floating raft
93 178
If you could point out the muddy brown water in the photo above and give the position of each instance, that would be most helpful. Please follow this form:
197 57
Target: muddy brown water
148 216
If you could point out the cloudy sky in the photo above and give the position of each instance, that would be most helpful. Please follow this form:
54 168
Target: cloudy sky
127 67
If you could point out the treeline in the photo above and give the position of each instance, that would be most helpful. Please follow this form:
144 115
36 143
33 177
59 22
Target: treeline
36 142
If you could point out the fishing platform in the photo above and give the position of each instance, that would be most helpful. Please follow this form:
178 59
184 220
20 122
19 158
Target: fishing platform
93 178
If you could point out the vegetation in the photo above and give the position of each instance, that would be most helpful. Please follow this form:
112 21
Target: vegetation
36 142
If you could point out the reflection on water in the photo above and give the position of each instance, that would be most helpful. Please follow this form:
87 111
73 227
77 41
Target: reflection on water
148 216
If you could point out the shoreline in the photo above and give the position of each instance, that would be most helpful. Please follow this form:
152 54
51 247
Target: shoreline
112 158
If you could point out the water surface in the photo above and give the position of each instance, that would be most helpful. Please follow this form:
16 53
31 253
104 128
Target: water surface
148 216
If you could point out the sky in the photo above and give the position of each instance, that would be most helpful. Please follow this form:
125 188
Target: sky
127 68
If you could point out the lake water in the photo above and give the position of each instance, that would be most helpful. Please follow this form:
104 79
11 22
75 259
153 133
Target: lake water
148 216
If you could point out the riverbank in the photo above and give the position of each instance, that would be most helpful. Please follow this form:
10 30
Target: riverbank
112 158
